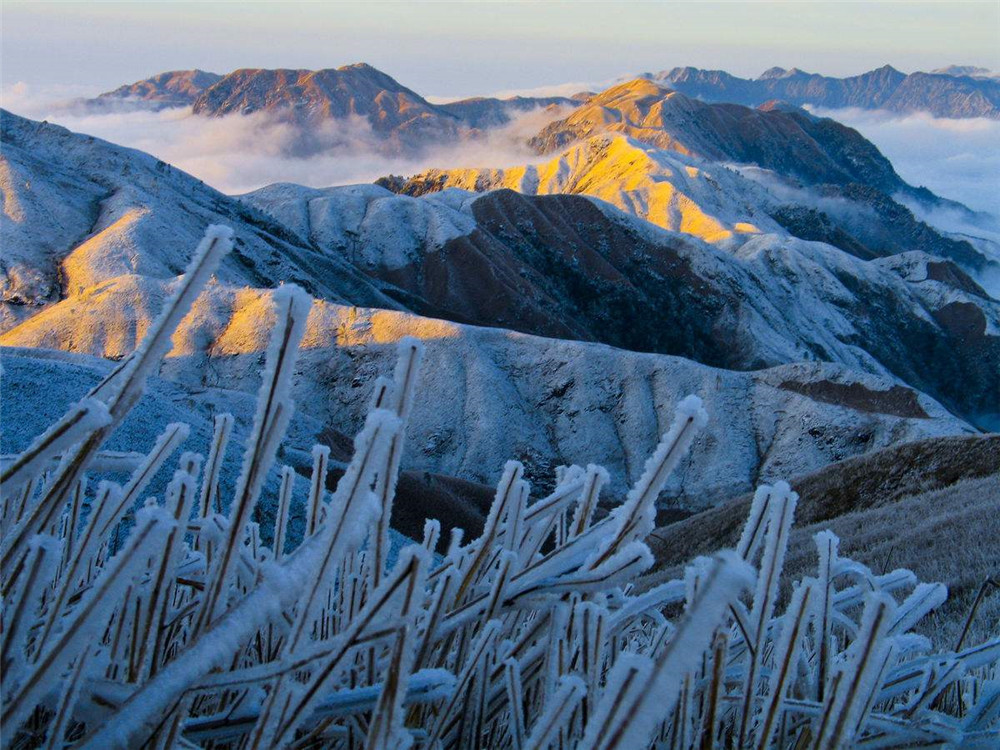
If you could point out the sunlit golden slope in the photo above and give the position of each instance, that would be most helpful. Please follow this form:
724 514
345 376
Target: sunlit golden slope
79 212
666 188
639 109
110 318
783 139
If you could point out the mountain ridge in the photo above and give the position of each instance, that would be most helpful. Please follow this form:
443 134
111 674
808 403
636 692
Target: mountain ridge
937 93
813 150
117 278
310 98
173 88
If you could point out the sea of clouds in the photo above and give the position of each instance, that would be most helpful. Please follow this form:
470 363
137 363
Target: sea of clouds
239 153
957 159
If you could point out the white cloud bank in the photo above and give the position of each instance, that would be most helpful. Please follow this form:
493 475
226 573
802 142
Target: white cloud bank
956 159
240 153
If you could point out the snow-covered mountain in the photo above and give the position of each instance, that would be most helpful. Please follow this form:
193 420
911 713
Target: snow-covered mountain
98 232
945 92
79 211
567 266
665 188
672 161
791 143
489 394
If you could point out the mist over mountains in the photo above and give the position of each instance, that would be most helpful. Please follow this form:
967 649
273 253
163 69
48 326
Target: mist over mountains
845 334
952 92
558 273
268 140
588 256
748 181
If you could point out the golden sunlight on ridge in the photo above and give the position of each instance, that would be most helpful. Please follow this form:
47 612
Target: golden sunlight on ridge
110 318
653 184
110 253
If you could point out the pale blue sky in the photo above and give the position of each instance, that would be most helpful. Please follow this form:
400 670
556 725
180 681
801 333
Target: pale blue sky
465 48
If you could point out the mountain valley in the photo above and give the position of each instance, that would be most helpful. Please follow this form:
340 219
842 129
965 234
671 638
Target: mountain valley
661 245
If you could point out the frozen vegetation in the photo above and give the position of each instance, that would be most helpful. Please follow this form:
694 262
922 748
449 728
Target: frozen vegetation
165 622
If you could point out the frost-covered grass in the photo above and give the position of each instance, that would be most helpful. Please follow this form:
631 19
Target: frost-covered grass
140 622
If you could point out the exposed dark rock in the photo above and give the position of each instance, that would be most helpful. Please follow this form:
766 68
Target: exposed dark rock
898 400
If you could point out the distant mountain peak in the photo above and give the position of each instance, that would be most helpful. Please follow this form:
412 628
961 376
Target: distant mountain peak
637 87
359 66
312 96
770 73
777 105
948 92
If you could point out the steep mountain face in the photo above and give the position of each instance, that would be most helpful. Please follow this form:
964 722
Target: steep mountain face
563 265
314 96
938 93
78 211
791 143
175 88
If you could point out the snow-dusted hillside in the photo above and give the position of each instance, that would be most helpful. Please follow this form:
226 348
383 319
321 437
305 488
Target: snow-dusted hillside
726 173
566 266
79 211
490 393
666 188
106 229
